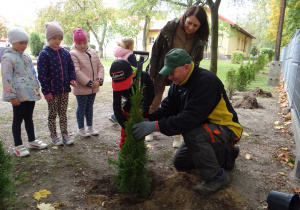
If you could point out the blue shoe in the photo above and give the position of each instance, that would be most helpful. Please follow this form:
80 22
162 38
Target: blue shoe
57 141
67 140
113 119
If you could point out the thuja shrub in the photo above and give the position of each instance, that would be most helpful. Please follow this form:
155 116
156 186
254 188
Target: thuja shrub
131 175
267 51
241 78
36 44
237 57
230 82
7 188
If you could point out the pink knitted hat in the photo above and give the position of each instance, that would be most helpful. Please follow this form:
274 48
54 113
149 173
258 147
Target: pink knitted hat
53 29
79 35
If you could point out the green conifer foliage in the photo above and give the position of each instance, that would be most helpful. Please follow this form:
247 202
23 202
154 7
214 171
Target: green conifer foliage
131 174
6 178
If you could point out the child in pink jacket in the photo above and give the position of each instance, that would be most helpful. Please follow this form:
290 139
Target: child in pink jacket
89 76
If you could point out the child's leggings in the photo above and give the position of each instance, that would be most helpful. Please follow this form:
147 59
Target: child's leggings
58 105
23 111
85 109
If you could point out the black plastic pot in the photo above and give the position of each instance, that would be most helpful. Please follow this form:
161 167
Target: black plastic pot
283 201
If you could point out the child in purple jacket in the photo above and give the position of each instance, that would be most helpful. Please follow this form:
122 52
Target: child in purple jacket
56 73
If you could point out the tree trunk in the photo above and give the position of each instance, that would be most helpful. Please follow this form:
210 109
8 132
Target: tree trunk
145 32
97 39
214 9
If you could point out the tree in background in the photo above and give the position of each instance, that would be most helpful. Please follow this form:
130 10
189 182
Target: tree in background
36 44
257 23
3 28
145 10
291 20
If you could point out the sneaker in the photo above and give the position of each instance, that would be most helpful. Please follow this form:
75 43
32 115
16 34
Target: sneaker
149 137
37 144
57 141
21 151
67 140
83 133
92 131
213 185
113 119
178 139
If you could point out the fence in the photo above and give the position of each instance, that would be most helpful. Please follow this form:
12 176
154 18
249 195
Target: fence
290 58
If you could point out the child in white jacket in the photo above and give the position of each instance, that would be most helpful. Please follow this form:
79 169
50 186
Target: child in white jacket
21 89
89 76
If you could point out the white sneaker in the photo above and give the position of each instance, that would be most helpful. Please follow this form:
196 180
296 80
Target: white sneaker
21 151
149 137
92 131
178 139
83 133
37 144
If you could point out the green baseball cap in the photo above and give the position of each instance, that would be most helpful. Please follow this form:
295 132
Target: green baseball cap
174 58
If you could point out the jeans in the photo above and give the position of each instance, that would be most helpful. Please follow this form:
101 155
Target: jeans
85 109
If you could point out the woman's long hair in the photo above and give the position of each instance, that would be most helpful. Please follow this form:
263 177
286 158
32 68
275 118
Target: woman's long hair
200 13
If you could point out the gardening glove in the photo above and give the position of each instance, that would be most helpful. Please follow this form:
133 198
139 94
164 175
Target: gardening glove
142 129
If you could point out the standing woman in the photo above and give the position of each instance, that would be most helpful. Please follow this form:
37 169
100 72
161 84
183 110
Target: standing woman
190 33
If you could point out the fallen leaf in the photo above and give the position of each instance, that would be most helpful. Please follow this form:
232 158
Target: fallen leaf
41 194
110 152
59 204
245 134
55 147
282 173
279 127
149 146
287 123
45 206
276 122
248 156
291 164
284 148
295 189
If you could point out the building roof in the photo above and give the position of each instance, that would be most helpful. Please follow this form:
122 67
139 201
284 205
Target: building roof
157 25
233 25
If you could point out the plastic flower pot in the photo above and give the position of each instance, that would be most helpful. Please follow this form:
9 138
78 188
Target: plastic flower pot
283 201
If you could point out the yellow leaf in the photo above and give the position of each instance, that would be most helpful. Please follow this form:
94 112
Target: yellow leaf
45 206
276 122
245 134
248 156
282 173
284 148
287 123
291 164
279 127
149 146
41 194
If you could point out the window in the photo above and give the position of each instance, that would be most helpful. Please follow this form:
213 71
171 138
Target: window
151 40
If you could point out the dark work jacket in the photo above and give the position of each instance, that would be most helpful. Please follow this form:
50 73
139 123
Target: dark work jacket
202 99
162 45
121 99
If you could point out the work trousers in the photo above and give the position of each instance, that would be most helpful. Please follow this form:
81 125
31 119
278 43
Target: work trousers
198 151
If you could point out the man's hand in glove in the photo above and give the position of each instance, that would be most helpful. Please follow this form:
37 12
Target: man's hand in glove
142 129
